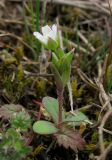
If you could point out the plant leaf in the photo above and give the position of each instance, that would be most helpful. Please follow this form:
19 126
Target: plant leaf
12 133
55 60
44 127
60 53
65 67
18 116
57 76
66 75
65 61
70 138
52 45
21 121
51 106
77 118
8 110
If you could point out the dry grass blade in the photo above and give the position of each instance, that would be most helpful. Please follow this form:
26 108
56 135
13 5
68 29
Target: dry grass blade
86 79
74 45
105 98
4 34
84 39
88 5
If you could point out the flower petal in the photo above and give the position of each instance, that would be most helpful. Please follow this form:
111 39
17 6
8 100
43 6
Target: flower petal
52 35
46 29
41 38
54 28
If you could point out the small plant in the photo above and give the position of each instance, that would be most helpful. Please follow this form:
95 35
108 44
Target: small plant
13 144
63 122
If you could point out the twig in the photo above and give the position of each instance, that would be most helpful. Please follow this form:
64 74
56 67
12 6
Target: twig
101 7
104 119
37 74
107 131
103 94
106 151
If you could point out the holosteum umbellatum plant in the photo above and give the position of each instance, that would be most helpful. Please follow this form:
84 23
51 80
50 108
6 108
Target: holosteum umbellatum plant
64 122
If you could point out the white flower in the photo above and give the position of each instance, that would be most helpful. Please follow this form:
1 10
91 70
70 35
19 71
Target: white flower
47 32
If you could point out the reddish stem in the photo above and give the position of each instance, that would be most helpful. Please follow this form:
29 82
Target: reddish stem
60 101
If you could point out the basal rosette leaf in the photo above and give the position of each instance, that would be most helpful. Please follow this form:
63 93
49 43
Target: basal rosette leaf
52 107
78 118
44 127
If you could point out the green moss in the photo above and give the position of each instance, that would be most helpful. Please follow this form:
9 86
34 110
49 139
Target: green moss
77 92
41 86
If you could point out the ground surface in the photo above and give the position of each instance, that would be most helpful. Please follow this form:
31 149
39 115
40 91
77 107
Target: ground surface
25 76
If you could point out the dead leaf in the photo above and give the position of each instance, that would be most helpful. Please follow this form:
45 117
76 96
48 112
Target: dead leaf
8 110
70 138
